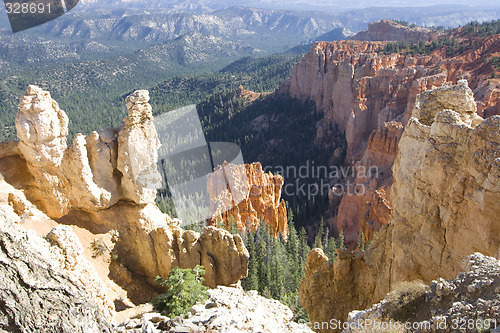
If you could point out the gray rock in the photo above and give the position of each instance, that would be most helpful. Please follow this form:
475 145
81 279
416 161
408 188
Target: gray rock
134 323
34 295
149 328
470 299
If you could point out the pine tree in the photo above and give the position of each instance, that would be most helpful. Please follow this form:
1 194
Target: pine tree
331 249
276 266
232 225
326 238
185 288
252 281
293 240
318 241
340 240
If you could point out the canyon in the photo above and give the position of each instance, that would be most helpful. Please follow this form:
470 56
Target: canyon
368 95
428 124
83 220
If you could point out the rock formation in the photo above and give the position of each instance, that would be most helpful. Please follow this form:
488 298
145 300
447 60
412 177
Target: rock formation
248 96
42 128
36 296
469 302
385 30
152 243
138 151
105 184
96 171
258 198
360 89
445 202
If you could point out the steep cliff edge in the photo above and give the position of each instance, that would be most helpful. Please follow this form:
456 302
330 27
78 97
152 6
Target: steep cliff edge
445 206
364 91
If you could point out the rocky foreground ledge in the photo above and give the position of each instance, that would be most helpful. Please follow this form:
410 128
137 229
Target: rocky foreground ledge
226 310
35 295
470 302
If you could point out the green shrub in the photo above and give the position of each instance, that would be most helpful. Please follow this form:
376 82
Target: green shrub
495 62
185 288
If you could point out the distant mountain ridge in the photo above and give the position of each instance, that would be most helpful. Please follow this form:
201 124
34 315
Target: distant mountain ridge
385 30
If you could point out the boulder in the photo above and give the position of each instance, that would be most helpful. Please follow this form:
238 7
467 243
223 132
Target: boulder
36 296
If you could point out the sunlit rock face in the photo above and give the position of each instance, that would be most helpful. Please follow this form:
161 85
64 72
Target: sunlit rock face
246 203
138 151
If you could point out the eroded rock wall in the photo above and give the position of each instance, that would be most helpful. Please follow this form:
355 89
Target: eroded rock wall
445 206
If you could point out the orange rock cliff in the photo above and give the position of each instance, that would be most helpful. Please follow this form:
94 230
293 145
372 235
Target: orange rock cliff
258 198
